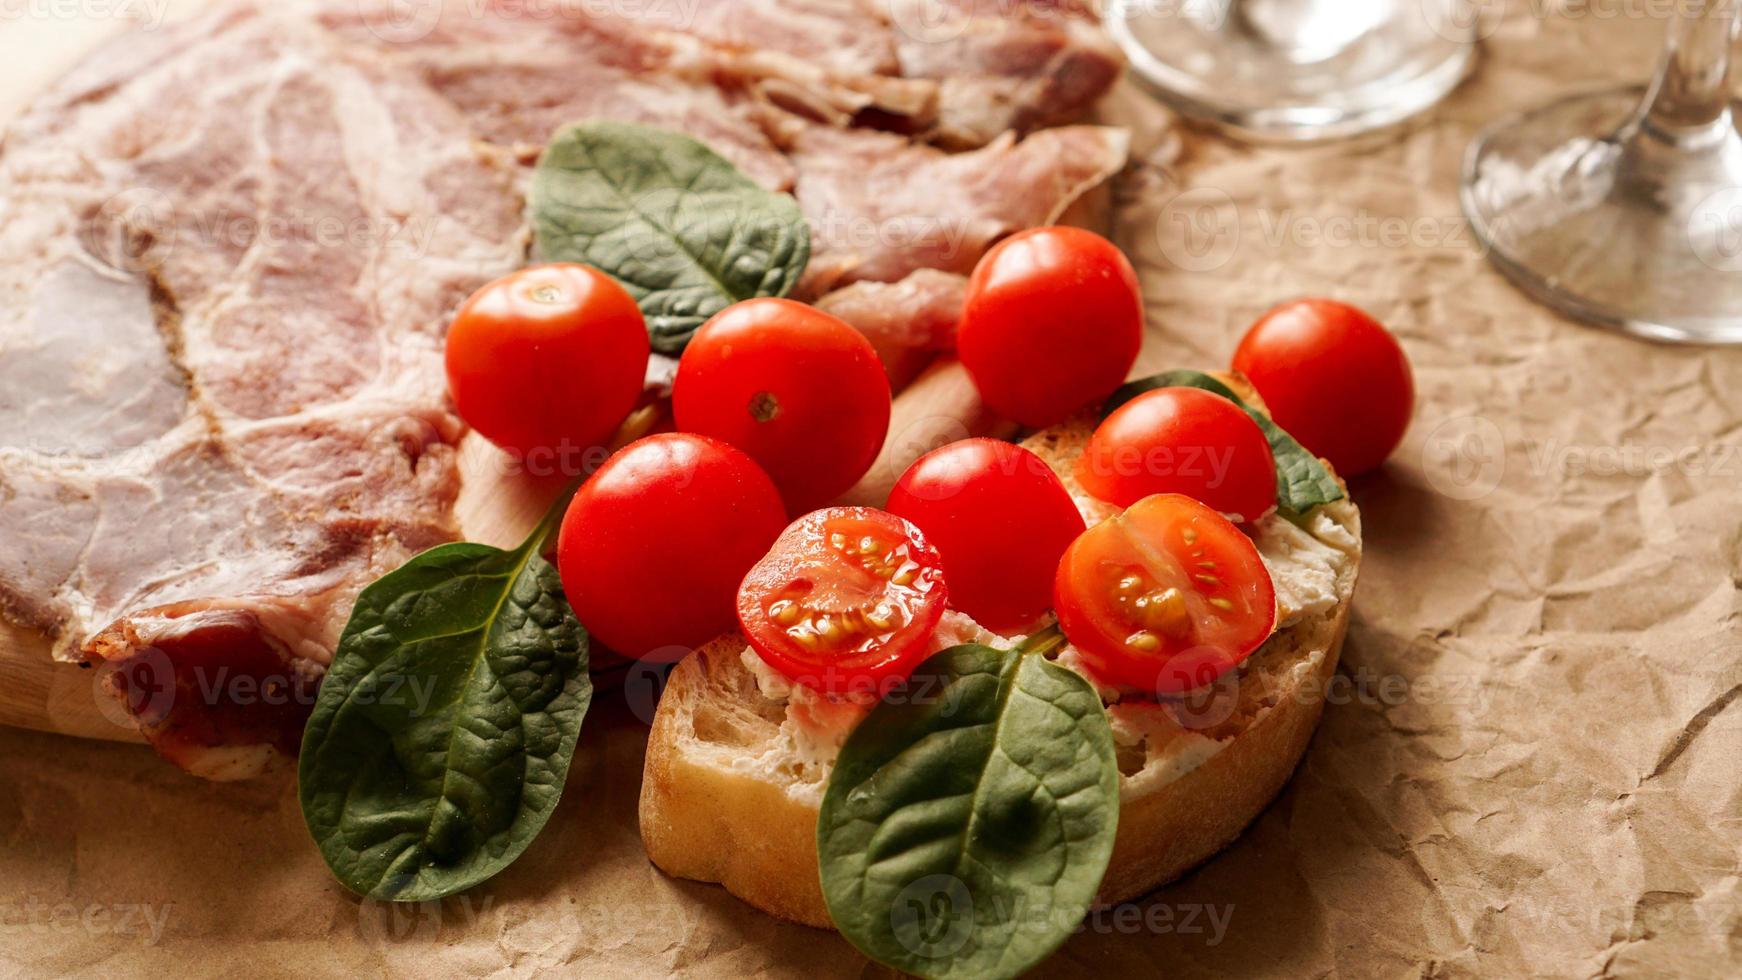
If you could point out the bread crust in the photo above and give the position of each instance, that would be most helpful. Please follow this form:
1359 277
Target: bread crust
706 819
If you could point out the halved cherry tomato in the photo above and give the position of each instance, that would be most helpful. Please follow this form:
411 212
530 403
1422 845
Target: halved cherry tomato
548 358
846 601
1181 440
1000 518
1333 377
1052 323
654 545
799 390
1165 597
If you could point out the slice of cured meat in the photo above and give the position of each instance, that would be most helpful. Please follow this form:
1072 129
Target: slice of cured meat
881 207
227 255
229 250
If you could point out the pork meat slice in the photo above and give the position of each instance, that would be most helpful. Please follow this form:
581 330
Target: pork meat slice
908 322
228 251
955 72
518 72
882 207
978 68
1004 65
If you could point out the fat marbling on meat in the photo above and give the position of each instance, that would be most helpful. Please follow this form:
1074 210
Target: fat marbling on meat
227 253
230 249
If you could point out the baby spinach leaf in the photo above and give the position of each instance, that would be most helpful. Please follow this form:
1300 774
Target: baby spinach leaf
684 232
965 828
442 734
1302 482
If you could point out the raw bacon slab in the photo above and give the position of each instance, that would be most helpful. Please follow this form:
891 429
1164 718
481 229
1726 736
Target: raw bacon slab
227 255
229 250
881 207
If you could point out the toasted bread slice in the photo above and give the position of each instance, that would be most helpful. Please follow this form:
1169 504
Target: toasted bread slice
733 784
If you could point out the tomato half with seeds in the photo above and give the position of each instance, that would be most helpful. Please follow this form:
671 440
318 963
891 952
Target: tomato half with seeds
846 600
1165 597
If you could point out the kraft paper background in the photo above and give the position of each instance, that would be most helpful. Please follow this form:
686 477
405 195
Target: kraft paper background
1533 765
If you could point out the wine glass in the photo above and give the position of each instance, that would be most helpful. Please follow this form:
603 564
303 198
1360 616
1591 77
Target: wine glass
1287 70
1624 207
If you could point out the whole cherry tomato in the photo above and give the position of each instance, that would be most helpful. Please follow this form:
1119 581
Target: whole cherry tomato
799 390
1164 597
1181 440
1000 518
846 601
1052 323
548 358
654 545
1333 378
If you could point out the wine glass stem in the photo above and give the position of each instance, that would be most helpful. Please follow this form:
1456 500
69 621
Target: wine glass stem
1689 100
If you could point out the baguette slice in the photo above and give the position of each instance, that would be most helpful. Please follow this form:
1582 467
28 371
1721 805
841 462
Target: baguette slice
730 796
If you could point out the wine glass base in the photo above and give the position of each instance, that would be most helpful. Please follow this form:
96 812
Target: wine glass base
1607 222
1294 70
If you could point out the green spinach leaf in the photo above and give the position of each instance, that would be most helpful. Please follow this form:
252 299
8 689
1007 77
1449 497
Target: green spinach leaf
965 828
670 219
443 731
1302 482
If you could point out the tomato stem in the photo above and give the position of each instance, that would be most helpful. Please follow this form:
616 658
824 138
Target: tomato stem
1043 641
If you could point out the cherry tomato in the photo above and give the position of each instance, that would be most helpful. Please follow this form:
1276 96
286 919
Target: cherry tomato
1181 440
1052 323
1000 518
1333 378
548 358
1165 597
654 544
799 390
847 600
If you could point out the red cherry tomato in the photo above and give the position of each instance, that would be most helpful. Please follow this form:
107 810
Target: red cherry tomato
1052 323
1000 518
799 390
1333 378
548 358
1181 440
654 544
847 600
1165 597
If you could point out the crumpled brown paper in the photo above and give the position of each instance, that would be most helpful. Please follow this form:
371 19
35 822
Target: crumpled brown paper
1531 766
